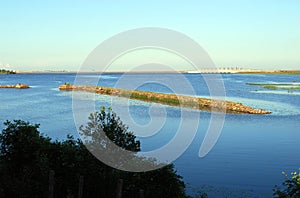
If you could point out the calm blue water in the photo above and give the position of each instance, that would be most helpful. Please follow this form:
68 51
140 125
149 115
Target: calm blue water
247 159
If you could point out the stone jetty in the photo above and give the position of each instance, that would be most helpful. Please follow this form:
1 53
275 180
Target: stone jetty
17 86
204 104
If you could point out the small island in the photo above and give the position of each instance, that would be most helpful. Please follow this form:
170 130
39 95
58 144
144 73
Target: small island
17 86
293 86
191 102
4 71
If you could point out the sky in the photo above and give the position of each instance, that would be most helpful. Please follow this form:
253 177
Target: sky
59 35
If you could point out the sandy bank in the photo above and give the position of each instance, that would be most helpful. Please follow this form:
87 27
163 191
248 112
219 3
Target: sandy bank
17 86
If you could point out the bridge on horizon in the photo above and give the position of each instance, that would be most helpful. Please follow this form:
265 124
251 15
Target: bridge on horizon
222 70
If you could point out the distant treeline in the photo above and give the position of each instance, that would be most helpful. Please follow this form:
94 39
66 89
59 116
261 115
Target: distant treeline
4 71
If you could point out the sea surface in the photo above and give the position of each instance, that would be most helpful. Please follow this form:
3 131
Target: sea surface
247 159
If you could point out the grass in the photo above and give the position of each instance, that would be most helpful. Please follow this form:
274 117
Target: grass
172 100
146 97
277 86
139 96
107 92
280 72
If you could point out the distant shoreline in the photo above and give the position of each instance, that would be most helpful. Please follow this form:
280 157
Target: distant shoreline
280 72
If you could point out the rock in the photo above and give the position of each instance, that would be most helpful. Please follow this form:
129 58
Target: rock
21 86
66 87
17 86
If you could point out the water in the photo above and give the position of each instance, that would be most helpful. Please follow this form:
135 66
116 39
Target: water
251 151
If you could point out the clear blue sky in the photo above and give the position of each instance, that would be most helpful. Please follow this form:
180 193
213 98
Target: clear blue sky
39 35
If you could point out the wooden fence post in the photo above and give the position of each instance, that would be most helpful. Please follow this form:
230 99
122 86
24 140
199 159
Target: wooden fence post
119 188
51 184
80 190
141 193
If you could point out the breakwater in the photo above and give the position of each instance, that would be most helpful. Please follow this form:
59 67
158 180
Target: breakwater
204 104
17 86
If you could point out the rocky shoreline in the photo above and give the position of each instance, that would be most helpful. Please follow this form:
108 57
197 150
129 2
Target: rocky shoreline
17 86
204 104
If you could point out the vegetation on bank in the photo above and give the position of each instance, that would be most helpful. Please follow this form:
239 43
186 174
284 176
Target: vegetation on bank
205 104
277 86
4 71
27 157
290 187
280 72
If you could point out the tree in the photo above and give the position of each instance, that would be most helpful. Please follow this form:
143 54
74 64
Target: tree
26 158
291 186
23 160
109 139
107 124
164 182
3 71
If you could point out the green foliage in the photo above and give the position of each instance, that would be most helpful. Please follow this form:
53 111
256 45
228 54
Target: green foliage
26 157
276 86
170 101
290 187
112 127
144 97
23 160
163 182
138 96
4 71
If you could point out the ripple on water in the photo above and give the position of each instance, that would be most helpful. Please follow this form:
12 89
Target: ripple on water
280 92
277 108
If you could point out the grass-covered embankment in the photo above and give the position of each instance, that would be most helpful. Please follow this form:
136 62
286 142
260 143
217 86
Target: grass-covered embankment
191 102
278 86
277 72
